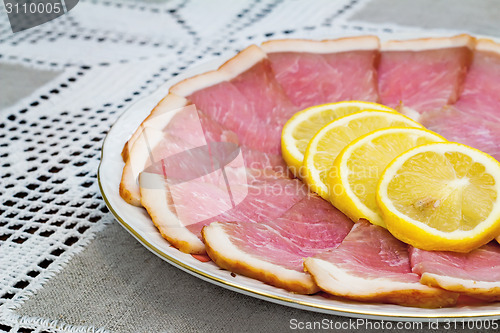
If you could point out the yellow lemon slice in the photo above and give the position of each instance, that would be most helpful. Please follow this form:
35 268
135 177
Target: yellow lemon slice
333 137
300 129
442 196
353 179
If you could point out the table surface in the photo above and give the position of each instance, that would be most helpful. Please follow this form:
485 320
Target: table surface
65 264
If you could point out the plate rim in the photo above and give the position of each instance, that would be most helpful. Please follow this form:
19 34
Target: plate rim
248 290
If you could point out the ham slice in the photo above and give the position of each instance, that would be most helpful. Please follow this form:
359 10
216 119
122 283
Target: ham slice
474 119
318 72
476 273
480 95
273 250
244 96
180 209
465 128
372 265
418 76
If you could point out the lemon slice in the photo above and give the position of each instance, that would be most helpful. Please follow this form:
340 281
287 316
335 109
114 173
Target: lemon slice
442 196
299 129
353 179
333 137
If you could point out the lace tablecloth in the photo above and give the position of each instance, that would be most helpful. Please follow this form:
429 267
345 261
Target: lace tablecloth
108 54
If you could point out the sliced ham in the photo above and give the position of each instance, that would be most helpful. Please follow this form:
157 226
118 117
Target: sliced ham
226 105
273 250
480 97
462 127
256 159
418 76
319 72
181 209
244 96
476 273
372 265
266 96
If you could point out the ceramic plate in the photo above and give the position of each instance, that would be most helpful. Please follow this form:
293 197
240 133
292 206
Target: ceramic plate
138 223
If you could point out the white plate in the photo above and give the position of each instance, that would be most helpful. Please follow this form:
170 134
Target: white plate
138 223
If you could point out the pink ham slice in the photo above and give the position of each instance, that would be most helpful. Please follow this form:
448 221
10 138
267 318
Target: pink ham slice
244 96
181 209
475 274
465 128
226 105
480 97
273 250
372 265
318 72
423 75
474 119
265 95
